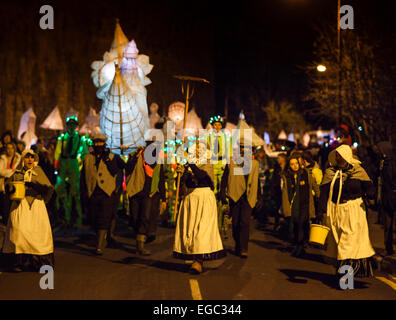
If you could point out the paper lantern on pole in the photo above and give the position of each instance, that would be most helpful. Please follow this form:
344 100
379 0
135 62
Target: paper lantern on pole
124 115
176 114
246 135
306 139
121 119
92 123
282 135
267 138
27 128
53 121
229 127
194 123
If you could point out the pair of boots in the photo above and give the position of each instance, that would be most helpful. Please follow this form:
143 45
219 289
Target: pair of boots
140 241
103 236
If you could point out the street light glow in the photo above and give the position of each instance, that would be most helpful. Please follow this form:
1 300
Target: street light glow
321 68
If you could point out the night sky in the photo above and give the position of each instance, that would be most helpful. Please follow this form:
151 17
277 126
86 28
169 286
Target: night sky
241 47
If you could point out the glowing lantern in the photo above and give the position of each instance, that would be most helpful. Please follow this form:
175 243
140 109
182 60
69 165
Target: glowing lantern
91 124
176 114
53 121
194 123
267 138
124 115
282 135
27 128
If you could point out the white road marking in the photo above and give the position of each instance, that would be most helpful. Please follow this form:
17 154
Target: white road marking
195 291
388 282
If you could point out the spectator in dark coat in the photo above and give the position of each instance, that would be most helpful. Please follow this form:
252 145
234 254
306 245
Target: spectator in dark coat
387 191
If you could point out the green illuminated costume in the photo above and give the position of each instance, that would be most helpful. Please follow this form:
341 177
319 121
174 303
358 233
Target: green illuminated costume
220 146
70 151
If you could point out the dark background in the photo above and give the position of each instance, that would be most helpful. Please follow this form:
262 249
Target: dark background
248 50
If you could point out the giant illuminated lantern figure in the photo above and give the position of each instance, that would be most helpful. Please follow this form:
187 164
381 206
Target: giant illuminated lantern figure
121 80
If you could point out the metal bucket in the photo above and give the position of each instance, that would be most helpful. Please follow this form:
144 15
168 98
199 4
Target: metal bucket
19 190
318 234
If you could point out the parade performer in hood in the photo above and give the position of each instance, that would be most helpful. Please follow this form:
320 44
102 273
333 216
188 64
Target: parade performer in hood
101 179
70 151
197 235
343 188
28 234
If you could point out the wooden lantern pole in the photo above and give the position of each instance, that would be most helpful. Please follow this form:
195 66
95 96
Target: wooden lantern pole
188 97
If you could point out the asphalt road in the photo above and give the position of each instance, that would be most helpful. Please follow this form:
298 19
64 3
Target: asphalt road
270 272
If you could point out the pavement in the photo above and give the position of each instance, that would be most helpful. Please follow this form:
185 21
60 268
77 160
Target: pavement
269 273
386 263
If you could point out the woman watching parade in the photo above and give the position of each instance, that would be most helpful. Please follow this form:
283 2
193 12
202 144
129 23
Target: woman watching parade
298 203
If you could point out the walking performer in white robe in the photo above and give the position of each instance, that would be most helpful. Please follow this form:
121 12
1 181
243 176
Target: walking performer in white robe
28 235
197 234
343 188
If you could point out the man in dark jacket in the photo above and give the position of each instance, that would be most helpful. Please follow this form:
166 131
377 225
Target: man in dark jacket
146 190
387 191
101 181
240 184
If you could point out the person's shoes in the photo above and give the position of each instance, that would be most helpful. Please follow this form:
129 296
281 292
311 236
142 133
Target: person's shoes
244 254
140 240
17 269
196 268
101 241
300 251
237 251
150 238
